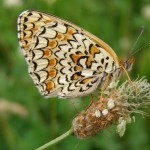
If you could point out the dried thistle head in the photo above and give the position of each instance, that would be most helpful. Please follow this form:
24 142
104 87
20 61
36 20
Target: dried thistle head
114 107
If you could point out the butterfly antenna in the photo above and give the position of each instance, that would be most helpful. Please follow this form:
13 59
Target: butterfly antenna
131 51
140 49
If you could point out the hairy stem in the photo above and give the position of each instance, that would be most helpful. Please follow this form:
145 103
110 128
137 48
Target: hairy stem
57 140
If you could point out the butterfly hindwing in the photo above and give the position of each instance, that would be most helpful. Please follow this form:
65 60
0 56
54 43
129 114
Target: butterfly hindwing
63 59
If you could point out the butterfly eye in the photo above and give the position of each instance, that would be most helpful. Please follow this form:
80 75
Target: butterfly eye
129 63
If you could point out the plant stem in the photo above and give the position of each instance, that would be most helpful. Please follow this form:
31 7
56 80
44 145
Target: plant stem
57 140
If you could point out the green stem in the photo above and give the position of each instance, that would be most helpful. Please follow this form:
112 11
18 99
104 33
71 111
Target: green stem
56 141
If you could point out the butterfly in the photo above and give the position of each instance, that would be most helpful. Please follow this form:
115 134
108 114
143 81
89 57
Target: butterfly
65 60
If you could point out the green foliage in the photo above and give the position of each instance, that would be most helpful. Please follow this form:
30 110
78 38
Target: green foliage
118 23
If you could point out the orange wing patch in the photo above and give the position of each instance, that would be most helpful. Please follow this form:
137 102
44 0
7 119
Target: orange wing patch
75 58
50 86
70 31
94 50
52 44
47 53
52 73
60 36
77 76
52 62
89 62
77 68
87 80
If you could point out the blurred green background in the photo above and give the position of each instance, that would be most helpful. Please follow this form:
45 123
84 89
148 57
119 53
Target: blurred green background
27 120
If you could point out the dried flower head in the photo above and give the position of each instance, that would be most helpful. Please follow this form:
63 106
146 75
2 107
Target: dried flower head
115 107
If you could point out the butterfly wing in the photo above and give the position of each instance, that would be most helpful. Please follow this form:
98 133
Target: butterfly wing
64 60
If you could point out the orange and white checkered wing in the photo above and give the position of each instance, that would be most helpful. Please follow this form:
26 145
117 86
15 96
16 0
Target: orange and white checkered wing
63 59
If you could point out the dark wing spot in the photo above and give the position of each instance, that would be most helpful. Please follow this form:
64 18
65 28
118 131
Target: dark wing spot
25 19
98 45
61 70
106 65
35 65
102 60
37 42
33 54
86 53
69 89
24 34
30 14
107 58
26 42
113 64
78 52
44 30
38 77
24 26
59 80
55 25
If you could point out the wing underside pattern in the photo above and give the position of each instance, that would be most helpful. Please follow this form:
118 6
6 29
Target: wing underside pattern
63 60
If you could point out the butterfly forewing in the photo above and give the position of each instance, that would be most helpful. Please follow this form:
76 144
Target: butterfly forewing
64 60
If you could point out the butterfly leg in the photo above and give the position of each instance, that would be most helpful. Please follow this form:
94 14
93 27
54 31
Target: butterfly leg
92 98
131 82
92 101
104 85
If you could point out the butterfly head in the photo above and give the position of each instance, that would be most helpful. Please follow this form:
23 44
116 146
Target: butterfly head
128 64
